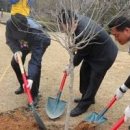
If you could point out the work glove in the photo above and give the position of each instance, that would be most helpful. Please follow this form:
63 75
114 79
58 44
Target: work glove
120 92
68 69
16 55
29 85
127 113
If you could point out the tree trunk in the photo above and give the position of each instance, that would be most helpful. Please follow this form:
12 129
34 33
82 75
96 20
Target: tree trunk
71 80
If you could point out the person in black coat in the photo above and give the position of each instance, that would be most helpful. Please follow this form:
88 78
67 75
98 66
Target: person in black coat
96 58
120 29
24 35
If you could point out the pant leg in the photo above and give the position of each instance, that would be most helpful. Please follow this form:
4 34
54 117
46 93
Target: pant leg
85 71
16 68
93 86
36 83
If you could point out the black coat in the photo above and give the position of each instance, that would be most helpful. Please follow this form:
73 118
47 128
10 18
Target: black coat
101 51
37 43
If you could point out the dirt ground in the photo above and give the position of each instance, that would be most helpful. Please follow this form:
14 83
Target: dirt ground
13 113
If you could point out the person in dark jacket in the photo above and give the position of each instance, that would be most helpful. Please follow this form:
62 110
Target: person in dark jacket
120 29
24 35
97 57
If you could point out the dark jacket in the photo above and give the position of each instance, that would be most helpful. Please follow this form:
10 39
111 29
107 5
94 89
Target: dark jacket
101 51
37 43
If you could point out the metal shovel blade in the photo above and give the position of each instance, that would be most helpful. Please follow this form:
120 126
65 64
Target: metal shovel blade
55 108
96 118
38 119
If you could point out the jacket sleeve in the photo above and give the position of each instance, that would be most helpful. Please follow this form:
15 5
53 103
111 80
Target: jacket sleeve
31 3
127 82
39 43
82 54
10 41
13 1
77 59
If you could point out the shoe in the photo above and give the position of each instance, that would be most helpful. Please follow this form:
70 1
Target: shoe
35 101
77 100
39 97
19 90
79 110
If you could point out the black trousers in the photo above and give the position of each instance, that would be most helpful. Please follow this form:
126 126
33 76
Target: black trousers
89 82
36 82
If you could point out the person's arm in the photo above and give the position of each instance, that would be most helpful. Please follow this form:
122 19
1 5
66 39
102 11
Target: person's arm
127 82
127 113
77 59
127 109
39 43
13 1
82 54
10 41
122 89
31 3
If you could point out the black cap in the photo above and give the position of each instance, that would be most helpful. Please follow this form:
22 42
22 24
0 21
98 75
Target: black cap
19 21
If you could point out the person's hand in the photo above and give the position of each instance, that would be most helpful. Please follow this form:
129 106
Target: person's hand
68 69
30 83
73 49
16 55
127 113
120 92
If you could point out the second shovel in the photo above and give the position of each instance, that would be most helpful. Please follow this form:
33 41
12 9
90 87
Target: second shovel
56 107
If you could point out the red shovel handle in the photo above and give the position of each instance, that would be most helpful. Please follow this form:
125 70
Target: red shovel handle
118 124
107 107
27 90
111 102
63 81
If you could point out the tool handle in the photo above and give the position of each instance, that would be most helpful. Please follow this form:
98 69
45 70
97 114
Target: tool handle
118 123
111 102
27 90
109 105
63 81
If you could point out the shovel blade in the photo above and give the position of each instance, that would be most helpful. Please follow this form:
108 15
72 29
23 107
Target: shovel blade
55 108
38 119
96 118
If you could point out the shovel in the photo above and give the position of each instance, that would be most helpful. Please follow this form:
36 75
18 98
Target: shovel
118 123
30 100
56 107
98 118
